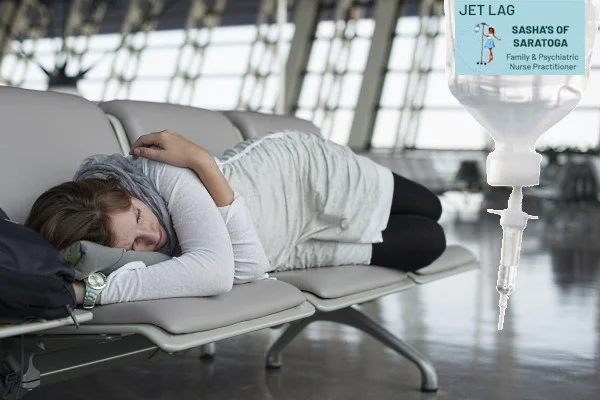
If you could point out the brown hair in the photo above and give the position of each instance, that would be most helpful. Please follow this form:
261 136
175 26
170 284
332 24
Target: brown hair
74 211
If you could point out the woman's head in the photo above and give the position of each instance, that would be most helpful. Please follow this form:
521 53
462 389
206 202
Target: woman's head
491 30
96 210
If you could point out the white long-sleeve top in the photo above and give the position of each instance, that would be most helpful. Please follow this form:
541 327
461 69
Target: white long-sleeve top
220 245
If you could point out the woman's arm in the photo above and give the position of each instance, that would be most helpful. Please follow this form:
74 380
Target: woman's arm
205 166
170 148
206 267
251 262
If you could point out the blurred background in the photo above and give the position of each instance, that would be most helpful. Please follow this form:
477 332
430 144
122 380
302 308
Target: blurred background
371 75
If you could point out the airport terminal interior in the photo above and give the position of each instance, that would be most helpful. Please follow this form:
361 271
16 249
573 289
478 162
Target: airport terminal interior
370 75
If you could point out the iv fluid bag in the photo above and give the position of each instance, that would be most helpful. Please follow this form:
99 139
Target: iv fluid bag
518 67
512 66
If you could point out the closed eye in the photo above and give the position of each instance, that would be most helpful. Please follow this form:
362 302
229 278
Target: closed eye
138 216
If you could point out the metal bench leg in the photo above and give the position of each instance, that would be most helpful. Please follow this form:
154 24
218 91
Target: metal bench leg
274 359
355 318
208 351
352 317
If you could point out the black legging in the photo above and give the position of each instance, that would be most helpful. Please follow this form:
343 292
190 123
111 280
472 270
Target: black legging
413 238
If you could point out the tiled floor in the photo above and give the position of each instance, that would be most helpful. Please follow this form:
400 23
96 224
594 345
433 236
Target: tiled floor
549 348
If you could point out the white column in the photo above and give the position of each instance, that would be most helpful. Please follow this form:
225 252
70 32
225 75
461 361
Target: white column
282 6
385 15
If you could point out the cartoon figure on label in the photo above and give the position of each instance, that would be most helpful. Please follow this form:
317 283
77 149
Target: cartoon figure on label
490 44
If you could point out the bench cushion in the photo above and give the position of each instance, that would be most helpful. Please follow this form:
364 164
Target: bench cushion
186 315
336 282
45 136
340 281
454 257
253 124
209 129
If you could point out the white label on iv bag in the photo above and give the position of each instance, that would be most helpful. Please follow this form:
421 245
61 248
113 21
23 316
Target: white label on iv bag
534 37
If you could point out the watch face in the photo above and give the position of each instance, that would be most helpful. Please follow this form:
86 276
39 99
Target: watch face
96 281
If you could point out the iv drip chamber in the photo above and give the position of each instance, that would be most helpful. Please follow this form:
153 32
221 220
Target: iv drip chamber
513 221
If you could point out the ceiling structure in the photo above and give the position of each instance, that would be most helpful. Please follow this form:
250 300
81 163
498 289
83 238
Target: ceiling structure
174 12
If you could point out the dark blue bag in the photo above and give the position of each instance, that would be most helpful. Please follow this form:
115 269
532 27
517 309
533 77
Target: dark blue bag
35 281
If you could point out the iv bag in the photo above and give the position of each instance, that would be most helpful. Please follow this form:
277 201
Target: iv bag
507 64
518 68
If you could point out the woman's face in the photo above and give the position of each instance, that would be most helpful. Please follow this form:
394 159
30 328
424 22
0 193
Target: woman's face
137 228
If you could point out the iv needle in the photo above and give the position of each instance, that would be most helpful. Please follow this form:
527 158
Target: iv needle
502 304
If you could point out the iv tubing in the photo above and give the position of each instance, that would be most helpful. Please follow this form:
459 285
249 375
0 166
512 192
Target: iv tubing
503 303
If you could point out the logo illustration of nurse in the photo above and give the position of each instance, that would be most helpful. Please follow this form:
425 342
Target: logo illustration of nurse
486 44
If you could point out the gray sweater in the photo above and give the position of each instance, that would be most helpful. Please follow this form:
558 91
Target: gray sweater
314 203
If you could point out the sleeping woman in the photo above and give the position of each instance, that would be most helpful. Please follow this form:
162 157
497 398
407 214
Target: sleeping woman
287 200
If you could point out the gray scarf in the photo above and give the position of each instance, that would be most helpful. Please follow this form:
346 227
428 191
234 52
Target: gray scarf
136 183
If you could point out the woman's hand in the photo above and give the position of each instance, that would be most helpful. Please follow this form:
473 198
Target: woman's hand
176 150
170 148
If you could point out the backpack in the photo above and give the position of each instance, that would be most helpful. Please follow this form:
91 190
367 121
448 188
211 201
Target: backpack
35 280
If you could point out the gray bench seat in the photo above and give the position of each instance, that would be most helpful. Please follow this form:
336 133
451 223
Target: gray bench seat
455 260
342 281
332 288
184 323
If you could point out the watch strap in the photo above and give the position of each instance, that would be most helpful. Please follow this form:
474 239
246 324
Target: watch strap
89 299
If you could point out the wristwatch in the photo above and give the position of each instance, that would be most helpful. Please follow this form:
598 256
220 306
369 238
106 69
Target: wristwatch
94 284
